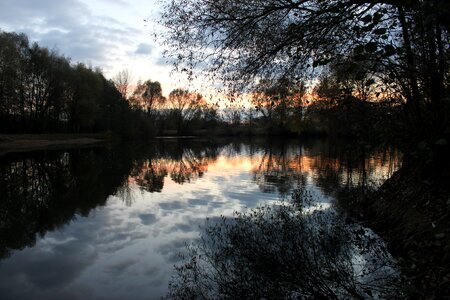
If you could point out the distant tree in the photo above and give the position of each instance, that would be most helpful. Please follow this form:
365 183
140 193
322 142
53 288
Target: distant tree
327 88
148 96
232 115
33 85
41 91
122 81
278 101
185 105
14 57
87 89
353 99
350 78
211 116
46 82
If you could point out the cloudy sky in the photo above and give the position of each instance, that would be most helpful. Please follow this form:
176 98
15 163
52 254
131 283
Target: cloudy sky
110 34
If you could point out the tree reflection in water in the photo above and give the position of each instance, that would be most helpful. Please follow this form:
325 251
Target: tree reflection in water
334 167
280 166
299 249
280 169
45 190
288 251
183 161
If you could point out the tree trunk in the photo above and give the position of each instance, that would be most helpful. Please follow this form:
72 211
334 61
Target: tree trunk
413 95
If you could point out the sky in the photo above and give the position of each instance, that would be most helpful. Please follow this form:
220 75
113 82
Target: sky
110 34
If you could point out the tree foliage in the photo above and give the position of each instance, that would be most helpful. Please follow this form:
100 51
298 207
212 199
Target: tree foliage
148 96
41 91
185 106
244 41
279 101
122 81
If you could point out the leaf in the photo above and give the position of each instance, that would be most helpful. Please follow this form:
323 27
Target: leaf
389 50
377 17
367 28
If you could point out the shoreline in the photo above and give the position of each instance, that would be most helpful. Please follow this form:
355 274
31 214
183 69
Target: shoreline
10 143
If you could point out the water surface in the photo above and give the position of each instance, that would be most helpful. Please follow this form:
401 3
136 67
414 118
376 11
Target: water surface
109 223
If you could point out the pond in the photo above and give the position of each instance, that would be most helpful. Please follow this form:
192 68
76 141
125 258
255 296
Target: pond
110 223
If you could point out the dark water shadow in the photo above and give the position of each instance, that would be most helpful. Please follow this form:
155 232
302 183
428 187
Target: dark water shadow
42 191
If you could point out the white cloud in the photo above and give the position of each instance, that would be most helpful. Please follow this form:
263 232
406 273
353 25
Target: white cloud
101 34
109 34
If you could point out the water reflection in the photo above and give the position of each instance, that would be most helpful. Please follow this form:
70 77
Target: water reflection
280 168
302 248
183 162
331 166
114 220
286 252
45 190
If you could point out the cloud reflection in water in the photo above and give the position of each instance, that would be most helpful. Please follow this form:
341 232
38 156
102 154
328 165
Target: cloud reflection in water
138 216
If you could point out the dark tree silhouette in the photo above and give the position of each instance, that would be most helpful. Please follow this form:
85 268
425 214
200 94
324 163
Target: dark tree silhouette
122 81
41 91
148 96
244 41
186 106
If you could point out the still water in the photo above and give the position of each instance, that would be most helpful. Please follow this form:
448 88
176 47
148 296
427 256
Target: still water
109 223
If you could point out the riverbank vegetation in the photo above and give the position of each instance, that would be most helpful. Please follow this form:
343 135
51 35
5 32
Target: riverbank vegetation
379 67
375 55
42 91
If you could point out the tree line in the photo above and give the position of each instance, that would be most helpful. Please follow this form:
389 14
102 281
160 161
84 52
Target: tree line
397 50
182 112
42 91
